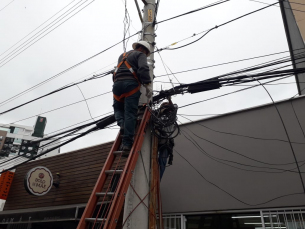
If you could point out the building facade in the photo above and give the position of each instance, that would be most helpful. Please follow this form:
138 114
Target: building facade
236 171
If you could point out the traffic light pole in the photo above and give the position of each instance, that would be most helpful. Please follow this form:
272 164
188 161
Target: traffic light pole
136 214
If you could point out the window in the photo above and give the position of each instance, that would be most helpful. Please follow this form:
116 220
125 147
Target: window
227 221
172 221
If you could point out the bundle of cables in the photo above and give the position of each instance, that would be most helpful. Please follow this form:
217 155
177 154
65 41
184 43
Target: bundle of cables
164 121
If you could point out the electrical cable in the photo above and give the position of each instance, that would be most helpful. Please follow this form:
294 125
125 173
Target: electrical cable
195 143
37 140
240 135
6 5
229 93
100 124
217 26
37 27
223 190
295 114
9 57
58 108
86 102
50 93
61 73
170 81
240 154
193 11
216 65
279 6
126 23
285 129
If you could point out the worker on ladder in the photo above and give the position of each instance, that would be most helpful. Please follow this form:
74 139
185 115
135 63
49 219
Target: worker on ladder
132 71
167 114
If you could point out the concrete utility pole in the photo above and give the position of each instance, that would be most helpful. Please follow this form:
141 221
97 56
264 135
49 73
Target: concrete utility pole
141 178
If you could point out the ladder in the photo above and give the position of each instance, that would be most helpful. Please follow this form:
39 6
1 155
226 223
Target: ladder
107 198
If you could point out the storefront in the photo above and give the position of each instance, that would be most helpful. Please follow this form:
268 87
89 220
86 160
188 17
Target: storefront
278 218
217 181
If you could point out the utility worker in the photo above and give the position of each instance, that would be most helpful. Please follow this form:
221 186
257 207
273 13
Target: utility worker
165 142
131 72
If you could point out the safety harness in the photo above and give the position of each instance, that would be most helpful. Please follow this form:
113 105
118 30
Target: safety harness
124 95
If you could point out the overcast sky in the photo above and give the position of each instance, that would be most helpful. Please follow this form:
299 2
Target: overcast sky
100 25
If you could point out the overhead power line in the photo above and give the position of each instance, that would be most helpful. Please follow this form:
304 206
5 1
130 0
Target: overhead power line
225 63
193 11
36 28
255 67
284 7
234 197
53 92
6 5
59 74
225 161
24 46
229 93
209 30
58 108
239 154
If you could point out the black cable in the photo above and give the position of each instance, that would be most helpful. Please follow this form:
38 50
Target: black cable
216 65
230 193
58 108
193 11
217 26
67 133
196 144
101 124
61 73
36 28
229 93
284 126
3 60
85 102
6 5
170 81
295 114
240 135
284 7
240 154
53 92
111 112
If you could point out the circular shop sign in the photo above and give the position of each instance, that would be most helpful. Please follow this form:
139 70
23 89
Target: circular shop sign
38 181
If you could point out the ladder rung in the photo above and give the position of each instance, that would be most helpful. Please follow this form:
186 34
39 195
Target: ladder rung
121 152
92 220
113 171
104 193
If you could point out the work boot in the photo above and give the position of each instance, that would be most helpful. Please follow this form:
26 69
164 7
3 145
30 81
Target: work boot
126 148
126 151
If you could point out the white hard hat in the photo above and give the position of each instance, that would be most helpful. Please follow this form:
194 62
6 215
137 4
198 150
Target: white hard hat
143 43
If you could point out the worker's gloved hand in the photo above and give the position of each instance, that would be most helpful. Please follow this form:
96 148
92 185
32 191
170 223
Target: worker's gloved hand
148 91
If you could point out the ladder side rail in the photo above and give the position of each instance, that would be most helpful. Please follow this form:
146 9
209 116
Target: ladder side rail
118 202
159 200
92 202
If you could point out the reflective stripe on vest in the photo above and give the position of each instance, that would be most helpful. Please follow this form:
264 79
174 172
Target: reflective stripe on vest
124 95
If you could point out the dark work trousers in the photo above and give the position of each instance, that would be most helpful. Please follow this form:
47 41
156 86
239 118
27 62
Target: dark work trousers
163 156
125 113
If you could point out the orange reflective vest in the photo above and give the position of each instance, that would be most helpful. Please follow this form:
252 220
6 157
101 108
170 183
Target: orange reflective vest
124 95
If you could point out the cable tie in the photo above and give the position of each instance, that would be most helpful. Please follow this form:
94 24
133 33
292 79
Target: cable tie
174 43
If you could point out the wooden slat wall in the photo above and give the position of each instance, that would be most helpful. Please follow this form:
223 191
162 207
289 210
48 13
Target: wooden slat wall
78 170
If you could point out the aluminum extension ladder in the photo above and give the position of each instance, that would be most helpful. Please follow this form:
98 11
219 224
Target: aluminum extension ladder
106 201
